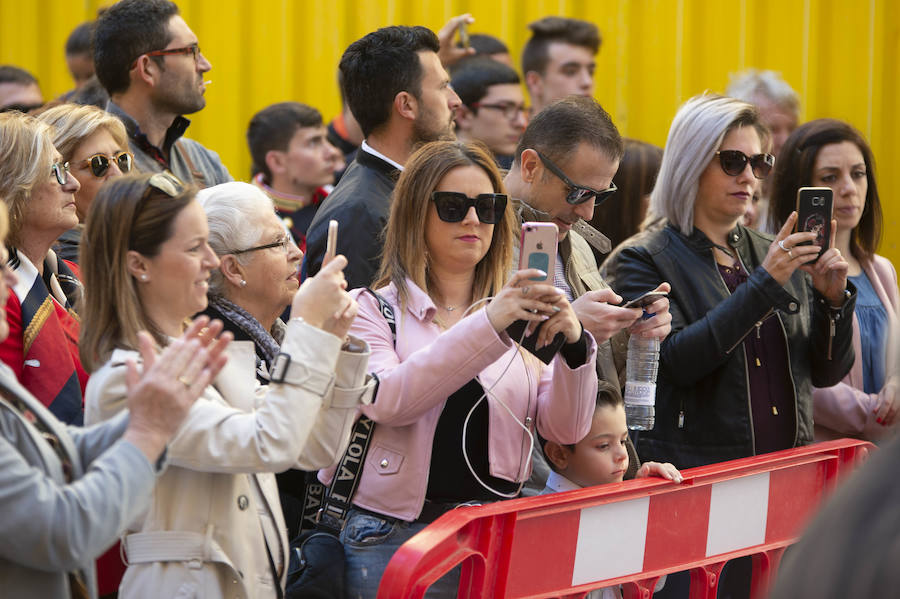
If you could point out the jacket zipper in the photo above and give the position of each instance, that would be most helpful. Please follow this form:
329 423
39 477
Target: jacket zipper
793 386
831 332
741 340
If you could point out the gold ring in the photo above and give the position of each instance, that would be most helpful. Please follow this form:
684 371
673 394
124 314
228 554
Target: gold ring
184 381
791 254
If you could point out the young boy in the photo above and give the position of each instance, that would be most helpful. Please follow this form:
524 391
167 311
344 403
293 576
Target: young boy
598 459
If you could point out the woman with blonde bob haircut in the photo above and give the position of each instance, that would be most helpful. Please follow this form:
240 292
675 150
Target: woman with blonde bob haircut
147 261
458 402
42 346
95 145
755 324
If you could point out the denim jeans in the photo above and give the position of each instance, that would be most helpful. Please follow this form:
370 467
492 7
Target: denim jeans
369 543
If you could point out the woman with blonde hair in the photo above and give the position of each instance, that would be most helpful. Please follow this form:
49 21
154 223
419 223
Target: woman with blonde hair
38 190
95 145
458 403
214 528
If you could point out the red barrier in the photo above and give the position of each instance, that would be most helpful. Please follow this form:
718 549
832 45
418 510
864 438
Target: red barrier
630 533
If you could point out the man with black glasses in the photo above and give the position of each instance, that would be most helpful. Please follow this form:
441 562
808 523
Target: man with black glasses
564 166
493 106
149 61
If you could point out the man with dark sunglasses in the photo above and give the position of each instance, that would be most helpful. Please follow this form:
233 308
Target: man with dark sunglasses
563 167
150 62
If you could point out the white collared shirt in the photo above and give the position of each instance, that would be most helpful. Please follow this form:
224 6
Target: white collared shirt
367 148
557 483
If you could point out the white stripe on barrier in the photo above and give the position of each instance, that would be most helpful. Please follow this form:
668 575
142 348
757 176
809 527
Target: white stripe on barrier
738 511
611 540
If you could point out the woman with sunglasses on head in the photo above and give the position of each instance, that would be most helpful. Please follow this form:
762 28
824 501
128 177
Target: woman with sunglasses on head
831 153
95 145
755 324
42 345
215 527
458 403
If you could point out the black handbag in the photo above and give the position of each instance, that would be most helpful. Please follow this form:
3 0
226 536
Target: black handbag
317 560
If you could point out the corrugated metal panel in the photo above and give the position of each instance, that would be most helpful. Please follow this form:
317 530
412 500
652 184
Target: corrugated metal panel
842 57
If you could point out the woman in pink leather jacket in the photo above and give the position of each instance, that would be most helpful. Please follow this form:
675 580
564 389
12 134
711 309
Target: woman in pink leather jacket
459 404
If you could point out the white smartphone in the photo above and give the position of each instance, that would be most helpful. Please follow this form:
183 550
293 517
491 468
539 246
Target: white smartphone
331 241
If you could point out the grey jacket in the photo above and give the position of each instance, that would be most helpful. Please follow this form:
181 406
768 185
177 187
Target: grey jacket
49 527
185 158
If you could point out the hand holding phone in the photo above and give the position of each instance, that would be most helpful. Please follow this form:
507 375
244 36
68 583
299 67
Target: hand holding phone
814 214
331 241
645 299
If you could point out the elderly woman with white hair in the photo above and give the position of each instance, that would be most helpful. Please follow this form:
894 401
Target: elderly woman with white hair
256 280
755 323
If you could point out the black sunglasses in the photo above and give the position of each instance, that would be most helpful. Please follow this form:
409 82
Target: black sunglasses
452 206
578 194
99 163
734 162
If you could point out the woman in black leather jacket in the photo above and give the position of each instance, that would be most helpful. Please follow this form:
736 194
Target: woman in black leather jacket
754 322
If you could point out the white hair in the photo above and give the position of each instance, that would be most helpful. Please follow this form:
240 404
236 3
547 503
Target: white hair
696 133
234 211
748 85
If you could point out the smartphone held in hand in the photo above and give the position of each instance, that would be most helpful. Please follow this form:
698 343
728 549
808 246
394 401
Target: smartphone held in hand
814 214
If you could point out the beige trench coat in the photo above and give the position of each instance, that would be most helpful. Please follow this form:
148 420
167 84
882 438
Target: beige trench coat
215 512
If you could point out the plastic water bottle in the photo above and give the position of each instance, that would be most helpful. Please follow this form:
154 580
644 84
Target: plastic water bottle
640 382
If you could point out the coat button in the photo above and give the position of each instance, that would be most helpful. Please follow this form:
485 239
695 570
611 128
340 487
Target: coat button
792 306
384 463
242 502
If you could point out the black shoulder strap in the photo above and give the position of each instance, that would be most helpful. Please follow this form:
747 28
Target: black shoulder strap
336 502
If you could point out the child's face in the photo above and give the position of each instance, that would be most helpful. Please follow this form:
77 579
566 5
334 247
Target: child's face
601 457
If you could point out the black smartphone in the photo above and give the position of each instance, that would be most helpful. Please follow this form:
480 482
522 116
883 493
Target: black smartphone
814 214
544 354
645 300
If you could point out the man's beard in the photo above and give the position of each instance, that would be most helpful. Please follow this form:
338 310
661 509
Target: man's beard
422 133
179 101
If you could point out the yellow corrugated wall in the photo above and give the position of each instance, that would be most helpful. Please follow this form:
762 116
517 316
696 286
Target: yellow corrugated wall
842 57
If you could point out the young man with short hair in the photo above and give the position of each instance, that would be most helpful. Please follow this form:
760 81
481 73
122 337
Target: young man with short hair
293 162
493 106
558 60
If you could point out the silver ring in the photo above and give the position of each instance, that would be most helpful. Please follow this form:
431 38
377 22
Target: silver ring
525 290
781 245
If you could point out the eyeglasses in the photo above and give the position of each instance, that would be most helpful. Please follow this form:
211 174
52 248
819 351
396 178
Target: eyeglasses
192 49
734 162
24 108
510 111
579 194
284 243
452 206
165 182
99 163
61 171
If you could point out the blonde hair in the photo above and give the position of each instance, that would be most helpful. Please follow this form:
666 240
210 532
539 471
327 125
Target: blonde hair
72 123
26 154
405 251
696 133
127 214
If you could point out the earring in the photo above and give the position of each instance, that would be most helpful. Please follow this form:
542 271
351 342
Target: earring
243 283
144 277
